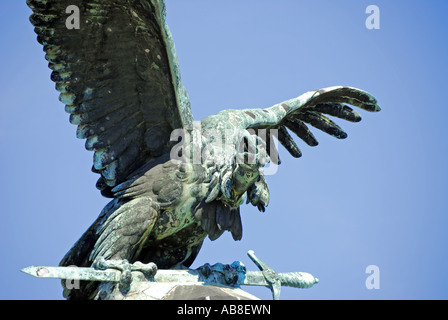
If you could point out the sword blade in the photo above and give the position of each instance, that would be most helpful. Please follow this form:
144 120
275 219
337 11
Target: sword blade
251 278
74 273
109 275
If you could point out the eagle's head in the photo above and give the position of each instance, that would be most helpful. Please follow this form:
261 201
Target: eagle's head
246 181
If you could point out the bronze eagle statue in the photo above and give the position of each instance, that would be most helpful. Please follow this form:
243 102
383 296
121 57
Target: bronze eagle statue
172 181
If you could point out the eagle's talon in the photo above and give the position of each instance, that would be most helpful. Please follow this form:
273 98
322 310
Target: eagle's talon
125 279
149 269
126 268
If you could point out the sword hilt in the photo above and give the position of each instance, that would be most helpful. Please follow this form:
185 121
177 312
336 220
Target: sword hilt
301 280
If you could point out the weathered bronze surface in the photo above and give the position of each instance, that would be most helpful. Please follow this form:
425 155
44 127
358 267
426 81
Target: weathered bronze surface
123 280
172 181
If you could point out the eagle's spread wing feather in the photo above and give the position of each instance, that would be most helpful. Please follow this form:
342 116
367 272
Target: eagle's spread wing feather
119 78
311 109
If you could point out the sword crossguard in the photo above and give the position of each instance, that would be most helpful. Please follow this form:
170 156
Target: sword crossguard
272 278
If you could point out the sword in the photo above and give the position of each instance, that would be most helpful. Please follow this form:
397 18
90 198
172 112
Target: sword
266 277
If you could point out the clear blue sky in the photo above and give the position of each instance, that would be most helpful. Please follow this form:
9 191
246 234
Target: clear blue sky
377 198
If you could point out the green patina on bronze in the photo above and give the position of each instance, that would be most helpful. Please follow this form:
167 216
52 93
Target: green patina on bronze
119 78
232 276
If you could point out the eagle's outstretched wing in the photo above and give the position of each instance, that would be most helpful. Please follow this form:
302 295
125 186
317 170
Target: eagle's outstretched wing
118 76
310 108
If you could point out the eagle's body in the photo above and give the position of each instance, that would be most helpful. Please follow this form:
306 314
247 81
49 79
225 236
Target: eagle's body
161 214
120 81
164 211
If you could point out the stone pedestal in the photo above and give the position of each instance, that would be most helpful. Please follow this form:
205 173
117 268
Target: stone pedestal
171 291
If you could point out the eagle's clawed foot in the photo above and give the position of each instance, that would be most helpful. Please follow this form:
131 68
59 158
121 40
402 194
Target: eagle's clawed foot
258 194
126 268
